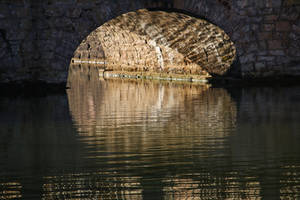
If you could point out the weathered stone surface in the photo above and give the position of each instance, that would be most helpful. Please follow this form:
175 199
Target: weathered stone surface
142 41
283 26
266 58
277 52
275 44
4 11
260 66
24 25
268 27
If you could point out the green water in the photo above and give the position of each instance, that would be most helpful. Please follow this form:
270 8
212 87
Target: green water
122 139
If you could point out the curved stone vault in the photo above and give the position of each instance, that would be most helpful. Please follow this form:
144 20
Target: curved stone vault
158 41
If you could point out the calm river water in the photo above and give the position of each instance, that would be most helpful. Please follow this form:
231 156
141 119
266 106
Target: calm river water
125 139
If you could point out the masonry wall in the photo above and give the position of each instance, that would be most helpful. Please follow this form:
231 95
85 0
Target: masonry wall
38 38
266 33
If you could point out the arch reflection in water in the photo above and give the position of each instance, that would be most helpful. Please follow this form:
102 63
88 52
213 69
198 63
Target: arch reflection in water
163 141
149 107
157 134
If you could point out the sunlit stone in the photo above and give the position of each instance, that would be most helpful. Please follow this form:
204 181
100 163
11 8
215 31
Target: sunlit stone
160 42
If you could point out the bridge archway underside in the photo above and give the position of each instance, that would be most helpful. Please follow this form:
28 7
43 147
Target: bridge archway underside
160 42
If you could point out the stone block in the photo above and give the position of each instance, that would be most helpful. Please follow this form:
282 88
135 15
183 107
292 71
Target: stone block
56 65
248 38
247 58
268 27
45 34
241 4
28 46
42 23
283 26
4 11
255 27
276 3
266 58
20 12
264 35
63 23
252 47
294 52
277 52
260 4
289 14
54 11
15 35
47 55
263 52
246 28
291 2
252 12
236 36
270 18
277 68
46 45
262 45
3 51
260 66
86 4
26 24
8 24
267 11
275 44
249 67
271 63
282 36
242 12
15 2
240 52
73 12
256 19
296 29
281 60
268 73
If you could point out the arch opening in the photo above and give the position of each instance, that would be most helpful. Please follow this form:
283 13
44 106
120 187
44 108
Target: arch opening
158 43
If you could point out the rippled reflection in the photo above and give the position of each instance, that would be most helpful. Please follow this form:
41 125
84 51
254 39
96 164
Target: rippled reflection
139 110
10 190
200 141
130 139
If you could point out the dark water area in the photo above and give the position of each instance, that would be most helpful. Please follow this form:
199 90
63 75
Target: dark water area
129 139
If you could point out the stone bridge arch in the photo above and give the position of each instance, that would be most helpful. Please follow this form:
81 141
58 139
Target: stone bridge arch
38 38
154 41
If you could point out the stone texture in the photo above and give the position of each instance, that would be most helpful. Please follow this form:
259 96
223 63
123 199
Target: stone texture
141 41
25 25
268 27
283 26
275 44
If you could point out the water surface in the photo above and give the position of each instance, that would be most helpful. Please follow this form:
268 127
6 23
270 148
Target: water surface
129 139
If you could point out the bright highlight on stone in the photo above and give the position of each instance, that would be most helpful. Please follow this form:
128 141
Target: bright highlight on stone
159 42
